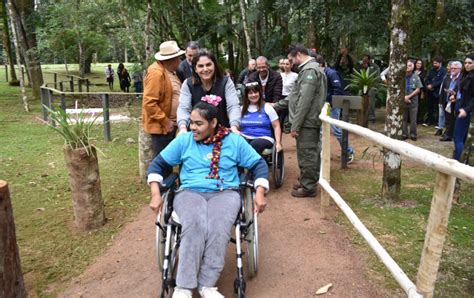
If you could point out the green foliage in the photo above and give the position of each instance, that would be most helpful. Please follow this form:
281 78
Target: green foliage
76 131
32 161
363 81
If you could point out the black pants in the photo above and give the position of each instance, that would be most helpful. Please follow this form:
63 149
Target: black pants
432 113
260 144
159 142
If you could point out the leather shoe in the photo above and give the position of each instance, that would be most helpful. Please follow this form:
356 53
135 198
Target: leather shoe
446 139
413 138
296 185
302 193
438 132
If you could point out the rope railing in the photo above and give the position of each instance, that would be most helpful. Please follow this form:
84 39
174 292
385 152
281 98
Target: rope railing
447 171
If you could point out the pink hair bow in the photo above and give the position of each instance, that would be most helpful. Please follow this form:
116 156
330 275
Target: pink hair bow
212 99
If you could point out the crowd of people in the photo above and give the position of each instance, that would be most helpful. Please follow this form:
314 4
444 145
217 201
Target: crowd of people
192 110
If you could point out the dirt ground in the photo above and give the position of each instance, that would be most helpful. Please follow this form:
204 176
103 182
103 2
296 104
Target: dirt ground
299 253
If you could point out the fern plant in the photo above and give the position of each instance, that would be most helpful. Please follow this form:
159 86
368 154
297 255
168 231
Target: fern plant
75 130
362 81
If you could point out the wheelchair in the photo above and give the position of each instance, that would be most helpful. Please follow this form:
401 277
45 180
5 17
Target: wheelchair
276 161
168 236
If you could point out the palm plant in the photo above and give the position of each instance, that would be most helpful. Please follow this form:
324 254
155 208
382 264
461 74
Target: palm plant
76 131
83 165
362 82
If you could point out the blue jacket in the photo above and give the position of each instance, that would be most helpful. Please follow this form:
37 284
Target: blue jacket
335 84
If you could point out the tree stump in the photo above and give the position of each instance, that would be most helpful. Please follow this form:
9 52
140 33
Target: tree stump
11 277
145 152
84 180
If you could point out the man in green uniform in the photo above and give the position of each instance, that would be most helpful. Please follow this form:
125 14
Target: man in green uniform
305 103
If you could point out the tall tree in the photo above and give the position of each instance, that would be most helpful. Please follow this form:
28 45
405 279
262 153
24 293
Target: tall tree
392 163
7 45
21 13
24 97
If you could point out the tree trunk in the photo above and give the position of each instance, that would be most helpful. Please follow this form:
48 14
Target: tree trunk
20 12
440 20
24 97
11 277
246 30
84 180
396 92
363 115
7 45
126 20
148 37
82 60
145 152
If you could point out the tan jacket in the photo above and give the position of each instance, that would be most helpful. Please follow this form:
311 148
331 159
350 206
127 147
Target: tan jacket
157 98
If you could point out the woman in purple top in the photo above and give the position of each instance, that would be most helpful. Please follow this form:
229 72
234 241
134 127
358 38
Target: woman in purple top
258 119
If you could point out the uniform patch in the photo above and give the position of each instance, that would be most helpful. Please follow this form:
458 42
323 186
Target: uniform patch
309 77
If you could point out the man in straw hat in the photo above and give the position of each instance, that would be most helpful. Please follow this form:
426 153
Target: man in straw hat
161 95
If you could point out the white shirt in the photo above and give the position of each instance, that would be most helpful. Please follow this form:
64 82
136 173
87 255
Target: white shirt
288 82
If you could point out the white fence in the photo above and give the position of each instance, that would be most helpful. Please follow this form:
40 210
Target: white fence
447 172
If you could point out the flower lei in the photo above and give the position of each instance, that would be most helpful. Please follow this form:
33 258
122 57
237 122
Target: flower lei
216 153
212 99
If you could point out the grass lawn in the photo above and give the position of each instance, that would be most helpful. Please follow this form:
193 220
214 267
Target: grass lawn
32 161
400 226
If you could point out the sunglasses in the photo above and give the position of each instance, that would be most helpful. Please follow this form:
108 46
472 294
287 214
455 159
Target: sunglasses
252 84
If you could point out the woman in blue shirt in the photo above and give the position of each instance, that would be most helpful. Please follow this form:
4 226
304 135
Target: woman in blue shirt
258 119
207 202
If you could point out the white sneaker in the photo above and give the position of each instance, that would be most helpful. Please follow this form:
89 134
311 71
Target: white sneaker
350 158
210 293
182 293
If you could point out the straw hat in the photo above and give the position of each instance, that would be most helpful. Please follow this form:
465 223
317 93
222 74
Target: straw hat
168 50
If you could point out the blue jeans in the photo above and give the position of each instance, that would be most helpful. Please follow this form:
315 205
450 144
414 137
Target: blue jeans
441 117
461 128
337 131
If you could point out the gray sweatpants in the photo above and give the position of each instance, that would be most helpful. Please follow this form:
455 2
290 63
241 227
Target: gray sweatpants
206 220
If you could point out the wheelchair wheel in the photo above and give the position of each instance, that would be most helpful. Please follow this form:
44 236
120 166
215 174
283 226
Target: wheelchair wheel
278 168
160 238
252 234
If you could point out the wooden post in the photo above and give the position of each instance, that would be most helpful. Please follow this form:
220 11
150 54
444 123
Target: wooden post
11 277
44 102
63 101
345 138
325 165
50 103
106 116
55 75
87 87
71 85
6 72
61 86
435 234
79 87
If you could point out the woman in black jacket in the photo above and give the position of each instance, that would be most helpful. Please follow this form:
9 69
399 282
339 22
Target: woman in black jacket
421 72
464 106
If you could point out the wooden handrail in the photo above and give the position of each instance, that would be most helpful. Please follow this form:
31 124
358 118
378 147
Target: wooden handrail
431 160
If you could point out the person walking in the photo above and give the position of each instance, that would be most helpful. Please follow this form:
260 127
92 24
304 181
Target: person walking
209 82
158 96
304 104
109 76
